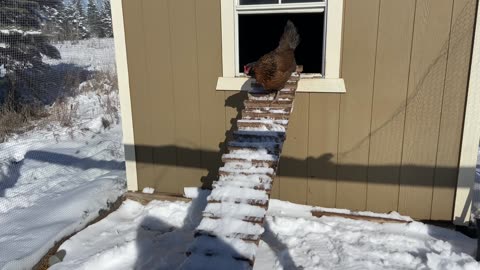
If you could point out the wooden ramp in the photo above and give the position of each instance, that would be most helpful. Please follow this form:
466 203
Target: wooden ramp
232 224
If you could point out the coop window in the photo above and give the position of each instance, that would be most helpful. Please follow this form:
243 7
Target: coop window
259 25
251 28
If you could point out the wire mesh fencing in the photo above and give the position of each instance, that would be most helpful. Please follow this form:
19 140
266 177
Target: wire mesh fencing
61 157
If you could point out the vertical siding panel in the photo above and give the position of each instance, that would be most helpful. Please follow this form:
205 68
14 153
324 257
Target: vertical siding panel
136 65
358 61
233 106
230 110
322 149
275 193
161 97
293 186
425 91
209 51
389 99
185 81
453 109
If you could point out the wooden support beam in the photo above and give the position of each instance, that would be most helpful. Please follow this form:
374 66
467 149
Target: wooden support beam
381 220
145 198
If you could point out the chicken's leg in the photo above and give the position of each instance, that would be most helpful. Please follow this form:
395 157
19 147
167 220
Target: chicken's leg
275 98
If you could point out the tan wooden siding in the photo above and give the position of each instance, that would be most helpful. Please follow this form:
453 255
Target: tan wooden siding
322 144
212 109
390 143
160 102
133 16
358 69
454 95
293 187
425 93
388 105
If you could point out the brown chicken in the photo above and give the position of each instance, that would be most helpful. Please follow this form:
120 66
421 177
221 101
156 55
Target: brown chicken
273 70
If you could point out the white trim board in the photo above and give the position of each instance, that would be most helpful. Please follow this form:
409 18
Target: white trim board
228 37
307 85
124 91
333 47
470 137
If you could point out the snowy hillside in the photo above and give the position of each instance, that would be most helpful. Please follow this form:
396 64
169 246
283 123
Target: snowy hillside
94 54
55 178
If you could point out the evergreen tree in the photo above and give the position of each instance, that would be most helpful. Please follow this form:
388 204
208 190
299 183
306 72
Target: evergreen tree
72 23
81 19
22 43
53 19
107 19
79 6
93 18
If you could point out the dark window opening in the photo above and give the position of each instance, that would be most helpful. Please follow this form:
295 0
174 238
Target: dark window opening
258 34
258 2
300 1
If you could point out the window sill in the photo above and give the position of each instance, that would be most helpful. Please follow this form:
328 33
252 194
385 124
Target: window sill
305 85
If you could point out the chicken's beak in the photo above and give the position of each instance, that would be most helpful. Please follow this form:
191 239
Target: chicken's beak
246 69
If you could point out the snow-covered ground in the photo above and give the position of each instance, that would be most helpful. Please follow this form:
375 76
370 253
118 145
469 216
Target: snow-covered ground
157 235
94 54
54 179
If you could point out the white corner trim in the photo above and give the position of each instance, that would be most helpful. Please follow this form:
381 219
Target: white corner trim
470 138
124 91
333 39
306 85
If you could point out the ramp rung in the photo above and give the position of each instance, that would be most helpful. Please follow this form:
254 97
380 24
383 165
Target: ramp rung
238 194
251 180
271 147
258 104
250 202
245 212
269 163
265 115
265 187
268 110
259 154
252 138
222 173
259 125
249 135
230 227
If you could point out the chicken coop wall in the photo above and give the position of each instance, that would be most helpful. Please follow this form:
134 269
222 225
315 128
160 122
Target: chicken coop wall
392 142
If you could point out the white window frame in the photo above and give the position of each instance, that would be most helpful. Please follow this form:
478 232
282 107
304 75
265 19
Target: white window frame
318 7
330 82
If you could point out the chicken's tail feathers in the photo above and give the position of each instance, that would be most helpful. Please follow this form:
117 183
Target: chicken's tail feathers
290 38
